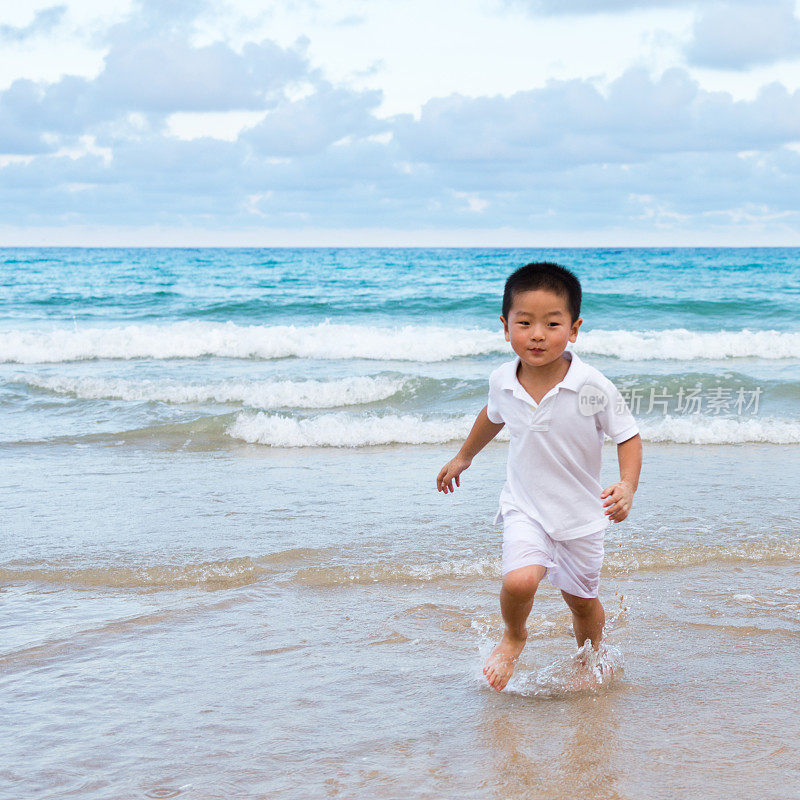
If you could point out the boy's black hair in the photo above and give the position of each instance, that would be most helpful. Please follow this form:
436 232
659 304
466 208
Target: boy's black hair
544 275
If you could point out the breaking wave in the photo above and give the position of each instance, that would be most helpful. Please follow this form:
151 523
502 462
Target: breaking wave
343 429
208 575
629 561
326 340
346 566
267 394
346 430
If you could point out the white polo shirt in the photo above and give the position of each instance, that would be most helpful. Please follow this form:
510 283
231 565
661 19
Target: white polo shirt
555 452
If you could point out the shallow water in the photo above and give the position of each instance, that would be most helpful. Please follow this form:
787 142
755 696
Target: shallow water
226 571
225 643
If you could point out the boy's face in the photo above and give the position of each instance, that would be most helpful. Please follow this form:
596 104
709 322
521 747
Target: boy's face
539 326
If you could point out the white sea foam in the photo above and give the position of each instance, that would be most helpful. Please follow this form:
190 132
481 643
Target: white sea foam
715 430
393 572
343 429
196 339
684 345
340 341
262 394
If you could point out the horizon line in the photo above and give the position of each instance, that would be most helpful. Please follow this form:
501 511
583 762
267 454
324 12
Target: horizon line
399 247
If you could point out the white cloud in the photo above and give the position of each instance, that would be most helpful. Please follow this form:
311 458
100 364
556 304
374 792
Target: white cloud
568 123
154 74
43 22
737 35
558 7
300 150
313 122
644 151
166 75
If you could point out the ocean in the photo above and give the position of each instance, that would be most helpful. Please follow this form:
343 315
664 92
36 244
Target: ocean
226 570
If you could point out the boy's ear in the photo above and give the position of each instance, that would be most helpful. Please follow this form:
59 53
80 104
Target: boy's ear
505 327
573 334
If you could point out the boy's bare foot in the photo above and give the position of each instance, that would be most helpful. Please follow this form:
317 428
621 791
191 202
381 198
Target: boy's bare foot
500 665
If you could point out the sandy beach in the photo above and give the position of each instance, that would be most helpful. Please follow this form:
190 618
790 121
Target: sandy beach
215 584
315 646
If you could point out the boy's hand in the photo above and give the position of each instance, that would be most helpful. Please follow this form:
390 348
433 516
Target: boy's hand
620 500
450 472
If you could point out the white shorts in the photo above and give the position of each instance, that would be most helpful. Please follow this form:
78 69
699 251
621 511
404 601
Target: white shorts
573 565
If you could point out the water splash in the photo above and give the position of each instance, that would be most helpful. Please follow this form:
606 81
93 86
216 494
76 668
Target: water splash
586 671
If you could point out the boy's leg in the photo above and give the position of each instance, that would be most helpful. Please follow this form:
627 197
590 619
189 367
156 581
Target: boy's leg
577 575
516 601
588 618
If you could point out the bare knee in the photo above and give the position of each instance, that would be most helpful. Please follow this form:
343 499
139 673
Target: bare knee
583 607
523 582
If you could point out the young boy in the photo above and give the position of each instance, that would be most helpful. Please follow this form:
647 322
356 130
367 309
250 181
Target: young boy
558 410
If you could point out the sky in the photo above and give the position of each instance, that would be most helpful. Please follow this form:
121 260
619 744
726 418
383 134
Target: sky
400 123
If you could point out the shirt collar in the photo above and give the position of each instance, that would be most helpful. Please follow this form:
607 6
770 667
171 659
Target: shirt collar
573 380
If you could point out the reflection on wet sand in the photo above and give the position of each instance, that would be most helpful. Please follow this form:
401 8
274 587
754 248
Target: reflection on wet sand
554 748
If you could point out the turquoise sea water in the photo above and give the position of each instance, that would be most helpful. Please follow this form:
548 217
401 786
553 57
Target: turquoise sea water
367 346
632 289
226 571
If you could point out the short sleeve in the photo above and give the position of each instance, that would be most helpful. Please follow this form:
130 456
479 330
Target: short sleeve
492 407
616 420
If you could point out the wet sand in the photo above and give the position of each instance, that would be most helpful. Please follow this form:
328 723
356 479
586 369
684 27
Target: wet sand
257 622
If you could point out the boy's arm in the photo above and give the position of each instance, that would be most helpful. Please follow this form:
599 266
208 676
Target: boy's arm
620 495
483 431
